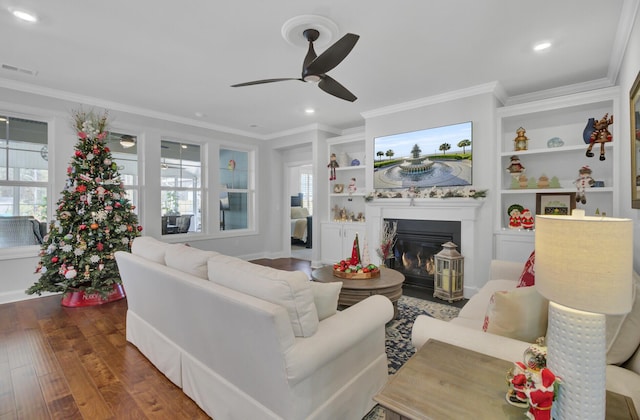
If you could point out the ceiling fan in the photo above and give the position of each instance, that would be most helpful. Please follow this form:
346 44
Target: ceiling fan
314 67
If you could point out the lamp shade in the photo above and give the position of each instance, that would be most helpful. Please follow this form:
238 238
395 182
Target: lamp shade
584 262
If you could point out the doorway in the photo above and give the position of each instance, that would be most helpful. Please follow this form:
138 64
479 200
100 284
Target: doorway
301 193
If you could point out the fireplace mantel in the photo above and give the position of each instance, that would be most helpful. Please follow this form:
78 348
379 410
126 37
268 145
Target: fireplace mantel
463 210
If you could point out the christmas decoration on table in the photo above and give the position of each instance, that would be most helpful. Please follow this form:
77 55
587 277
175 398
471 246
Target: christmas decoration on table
94 219
353 267
583 182
333 164
599 133
521 141
531 384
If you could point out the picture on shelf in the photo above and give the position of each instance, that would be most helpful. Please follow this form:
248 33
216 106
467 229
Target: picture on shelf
434 157
558 204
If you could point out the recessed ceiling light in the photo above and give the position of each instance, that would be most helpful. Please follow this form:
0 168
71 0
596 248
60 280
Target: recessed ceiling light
540 46
23 15
184 146
309 111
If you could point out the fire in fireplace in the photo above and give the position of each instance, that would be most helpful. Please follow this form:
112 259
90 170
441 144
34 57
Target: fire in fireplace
417 241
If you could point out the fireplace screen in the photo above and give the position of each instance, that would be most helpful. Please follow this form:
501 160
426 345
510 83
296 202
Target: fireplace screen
417 241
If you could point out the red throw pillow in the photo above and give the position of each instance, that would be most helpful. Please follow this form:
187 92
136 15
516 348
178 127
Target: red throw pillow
528 276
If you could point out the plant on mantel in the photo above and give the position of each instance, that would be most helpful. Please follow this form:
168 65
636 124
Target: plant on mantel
433 192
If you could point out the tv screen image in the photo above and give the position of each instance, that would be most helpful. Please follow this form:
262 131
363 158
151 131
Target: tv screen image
434 157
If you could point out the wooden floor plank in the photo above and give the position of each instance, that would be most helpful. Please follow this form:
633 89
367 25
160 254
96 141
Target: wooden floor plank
75 363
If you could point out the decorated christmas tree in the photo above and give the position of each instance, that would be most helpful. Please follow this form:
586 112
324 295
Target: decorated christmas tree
94 219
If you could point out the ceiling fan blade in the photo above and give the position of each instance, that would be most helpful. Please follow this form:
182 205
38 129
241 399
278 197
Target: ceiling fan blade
333 55
259 82
332 87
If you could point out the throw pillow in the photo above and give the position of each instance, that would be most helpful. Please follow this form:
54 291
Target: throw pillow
528 276
520 313
299 212
325 296
188 259
149 248
290 289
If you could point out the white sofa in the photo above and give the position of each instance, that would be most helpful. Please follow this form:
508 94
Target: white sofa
195 315
623 332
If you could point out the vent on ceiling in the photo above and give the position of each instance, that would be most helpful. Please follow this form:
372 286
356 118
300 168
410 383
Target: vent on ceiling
19 70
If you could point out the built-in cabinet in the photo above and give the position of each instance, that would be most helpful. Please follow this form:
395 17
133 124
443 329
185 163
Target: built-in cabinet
554 155
346 212
337 240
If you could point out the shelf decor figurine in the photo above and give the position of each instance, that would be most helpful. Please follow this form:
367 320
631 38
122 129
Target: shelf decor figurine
521 141
333 164
600 135
583 181
515 216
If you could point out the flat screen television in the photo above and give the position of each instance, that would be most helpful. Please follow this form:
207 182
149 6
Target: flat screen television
434 157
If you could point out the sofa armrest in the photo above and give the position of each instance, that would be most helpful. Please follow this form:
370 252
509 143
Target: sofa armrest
503 348
505 270
337 334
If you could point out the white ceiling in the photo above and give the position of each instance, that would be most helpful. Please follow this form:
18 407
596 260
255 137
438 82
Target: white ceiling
180 58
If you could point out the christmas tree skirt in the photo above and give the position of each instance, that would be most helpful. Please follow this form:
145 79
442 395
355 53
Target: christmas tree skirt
80 299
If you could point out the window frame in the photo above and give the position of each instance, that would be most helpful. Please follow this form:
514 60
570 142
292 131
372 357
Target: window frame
250 191
27 251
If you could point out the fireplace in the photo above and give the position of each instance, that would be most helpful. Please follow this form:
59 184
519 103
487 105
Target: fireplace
417 241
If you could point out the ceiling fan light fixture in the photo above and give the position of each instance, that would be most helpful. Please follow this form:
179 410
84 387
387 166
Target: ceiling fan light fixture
312 78
127 141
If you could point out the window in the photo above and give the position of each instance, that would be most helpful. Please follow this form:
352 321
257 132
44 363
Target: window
181 187
237 195
306 187
24 172
124 151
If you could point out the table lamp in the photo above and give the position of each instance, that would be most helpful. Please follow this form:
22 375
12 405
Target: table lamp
584 266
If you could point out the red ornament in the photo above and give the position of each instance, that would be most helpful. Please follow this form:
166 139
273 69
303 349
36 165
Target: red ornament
139 228
82 226
99 246
54 259
81 188
79 154
117 204
107 150
96 151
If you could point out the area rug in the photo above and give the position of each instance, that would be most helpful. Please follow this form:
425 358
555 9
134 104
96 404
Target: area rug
398 334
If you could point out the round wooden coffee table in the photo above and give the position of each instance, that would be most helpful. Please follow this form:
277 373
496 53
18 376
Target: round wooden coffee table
389 284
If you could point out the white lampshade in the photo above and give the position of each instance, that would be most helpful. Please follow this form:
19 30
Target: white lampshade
584 262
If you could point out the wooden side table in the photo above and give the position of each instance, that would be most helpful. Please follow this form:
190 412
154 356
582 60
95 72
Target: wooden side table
389 284
442 381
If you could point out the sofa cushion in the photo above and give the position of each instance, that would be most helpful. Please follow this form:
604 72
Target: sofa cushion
520 314
290 289
149 248
528 276
623 331
325 296
188 259
476 308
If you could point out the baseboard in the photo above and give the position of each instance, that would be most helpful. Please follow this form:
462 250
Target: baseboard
18 295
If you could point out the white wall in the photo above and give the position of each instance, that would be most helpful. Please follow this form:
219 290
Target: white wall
481 110
629 70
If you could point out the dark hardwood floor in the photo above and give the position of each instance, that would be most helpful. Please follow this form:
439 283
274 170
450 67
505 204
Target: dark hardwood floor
75 363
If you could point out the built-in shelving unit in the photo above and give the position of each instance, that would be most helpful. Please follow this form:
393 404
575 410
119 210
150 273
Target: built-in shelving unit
564 118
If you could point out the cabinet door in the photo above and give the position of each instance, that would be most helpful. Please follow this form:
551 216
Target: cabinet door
331 242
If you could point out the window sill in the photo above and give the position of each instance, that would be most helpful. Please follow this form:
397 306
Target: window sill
18 252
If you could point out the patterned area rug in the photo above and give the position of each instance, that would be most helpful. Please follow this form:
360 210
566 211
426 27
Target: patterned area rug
398 331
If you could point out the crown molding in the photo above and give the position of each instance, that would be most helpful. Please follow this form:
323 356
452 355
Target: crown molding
625 27
492 87
303 129
116 106
560 91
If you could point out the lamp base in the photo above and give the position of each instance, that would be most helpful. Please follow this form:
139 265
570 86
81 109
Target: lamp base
576 353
